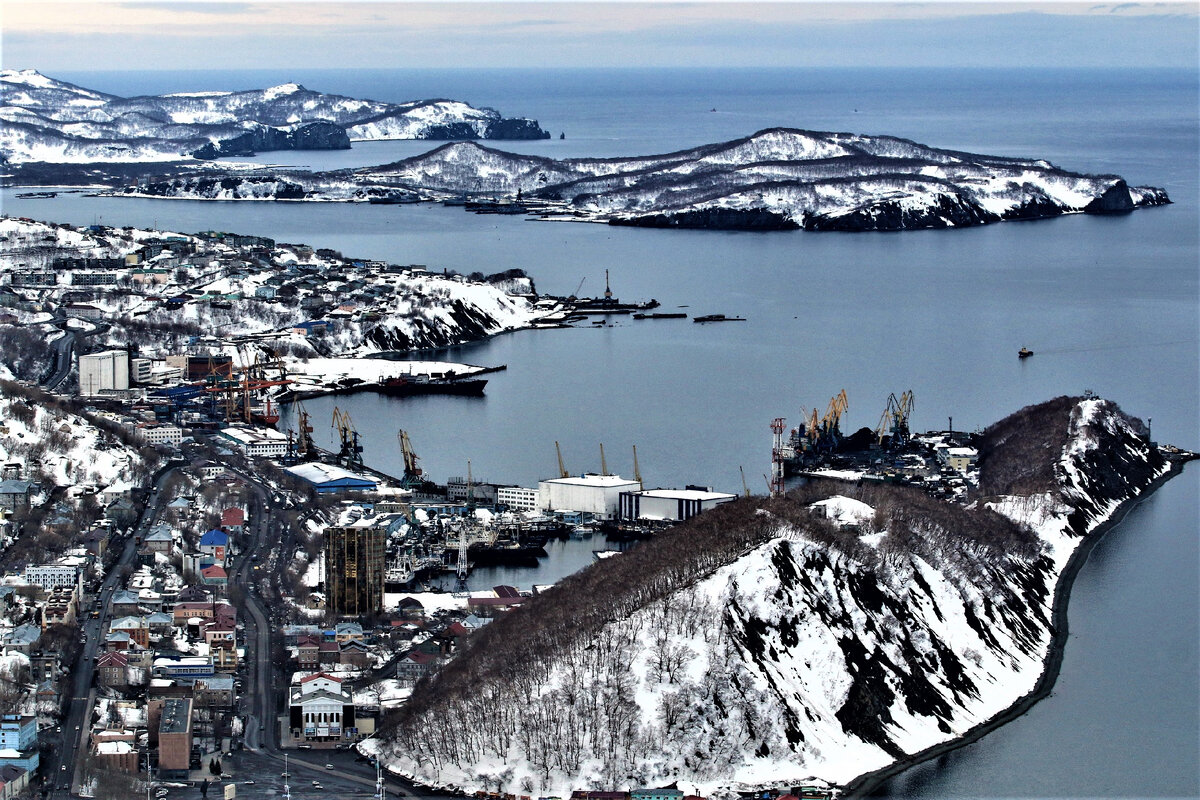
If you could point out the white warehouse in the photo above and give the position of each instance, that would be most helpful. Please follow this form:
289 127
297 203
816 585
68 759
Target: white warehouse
670 504
598 495
256 442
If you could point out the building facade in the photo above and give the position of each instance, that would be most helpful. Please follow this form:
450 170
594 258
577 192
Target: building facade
175 737
517 498
105 371
355 562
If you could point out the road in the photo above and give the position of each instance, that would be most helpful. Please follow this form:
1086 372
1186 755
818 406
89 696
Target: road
267 679
64 356
69 760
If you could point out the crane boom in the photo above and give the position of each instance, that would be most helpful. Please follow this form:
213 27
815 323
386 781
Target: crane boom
562 470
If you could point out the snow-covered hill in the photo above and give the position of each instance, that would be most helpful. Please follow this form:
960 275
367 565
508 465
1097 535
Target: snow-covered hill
783 642
776 178
46 120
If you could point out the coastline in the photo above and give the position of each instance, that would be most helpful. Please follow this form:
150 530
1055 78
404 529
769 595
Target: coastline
864 785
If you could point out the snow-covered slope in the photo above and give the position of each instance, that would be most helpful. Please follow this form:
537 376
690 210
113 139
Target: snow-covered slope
45 120
776 178
774 643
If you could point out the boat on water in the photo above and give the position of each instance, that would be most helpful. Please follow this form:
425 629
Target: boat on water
718 318
662 315
394 199
405 385
1024 352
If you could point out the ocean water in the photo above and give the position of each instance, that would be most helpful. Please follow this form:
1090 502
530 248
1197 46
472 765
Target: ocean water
1108 304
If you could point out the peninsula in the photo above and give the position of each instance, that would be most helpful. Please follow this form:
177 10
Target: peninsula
801 640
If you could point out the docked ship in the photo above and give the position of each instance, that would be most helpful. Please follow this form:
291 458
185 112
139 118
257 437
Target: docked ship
406 385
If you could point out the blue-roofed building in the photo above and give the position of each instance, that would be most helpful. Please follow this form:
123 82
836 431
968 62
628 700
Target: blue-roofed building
214 543
329 479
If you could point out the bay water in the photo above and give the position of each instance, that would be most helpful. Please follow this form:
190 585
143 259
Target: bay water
1109 304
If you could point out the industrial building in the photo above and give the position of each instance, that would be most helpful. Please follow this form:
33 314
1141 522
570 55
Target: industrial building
597 495
103 372
329 478
355 563
517 498
672 505
257 442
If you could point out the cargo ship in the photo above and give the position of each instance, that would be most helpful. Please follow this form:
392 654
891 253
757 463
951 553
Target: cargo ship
405 385
718 318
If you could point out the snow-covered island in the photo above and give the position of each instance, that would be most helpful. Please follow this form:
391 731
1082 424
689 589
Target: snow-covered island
51 121
780 178
810 639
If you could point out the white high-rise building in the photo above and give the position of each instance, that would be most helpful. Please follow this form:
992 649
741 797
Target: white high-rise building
101 372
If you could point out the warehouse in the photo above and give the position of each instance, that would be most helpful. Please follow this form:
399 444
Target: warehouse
674 505
256 442
328 478
598 495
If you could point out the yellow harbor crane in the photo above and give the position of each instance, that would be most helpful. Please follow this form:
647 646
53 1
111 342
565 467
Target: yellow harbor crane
562 470
637 472
350 453
412 473
894 421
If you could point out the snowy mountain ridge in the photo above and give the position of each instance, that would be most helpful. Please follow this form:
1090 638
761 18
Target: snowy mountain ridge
778 178
769 646
46 120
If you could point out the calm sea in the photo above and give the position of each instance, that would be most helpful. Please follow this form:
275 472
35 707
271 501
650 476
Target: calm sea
1108 304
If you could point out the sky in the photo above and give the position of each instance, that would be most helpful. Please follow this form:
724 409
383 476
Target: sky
50 36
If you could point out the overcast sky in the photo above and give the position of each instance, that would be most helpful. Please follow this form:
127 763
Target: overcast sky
51 36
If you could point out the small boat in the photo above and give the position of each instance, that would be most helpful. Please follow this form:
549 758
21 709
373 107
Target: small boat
1024 352
661 315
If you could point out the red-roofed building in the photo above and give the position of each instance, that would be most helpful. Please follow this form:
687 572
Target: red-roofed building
416 664
308 651
214 576
491 606
113 668
233 519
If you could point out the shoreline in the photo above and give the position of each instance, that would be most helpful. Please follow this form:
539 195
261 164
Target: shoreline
865 784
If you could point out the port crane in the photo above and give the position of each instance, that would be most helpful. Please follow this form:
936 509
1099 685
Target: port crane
412 473
637 472
350 453
562 470
894 421
254 379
